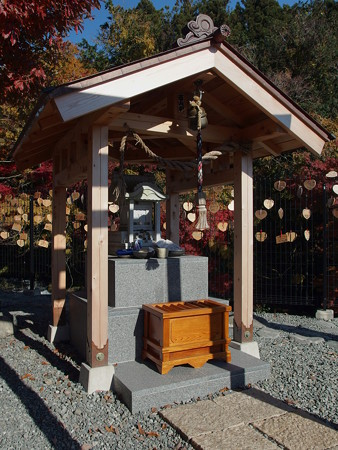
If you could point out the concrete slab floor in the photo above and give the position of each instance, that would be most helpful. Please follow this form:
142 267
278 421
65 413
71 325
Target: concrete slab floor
250 419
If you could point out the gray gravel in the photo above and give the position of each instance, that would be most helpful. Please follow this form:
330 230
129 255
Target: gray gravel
44 406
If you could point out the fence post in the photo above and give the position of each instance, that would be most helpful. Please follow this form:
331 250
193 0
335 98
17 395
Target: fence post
31 244
324 248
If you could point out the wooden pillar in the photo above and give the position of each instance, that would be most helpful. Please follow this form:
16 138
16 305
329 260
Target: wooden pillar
172 214
243 248
97 252
59 256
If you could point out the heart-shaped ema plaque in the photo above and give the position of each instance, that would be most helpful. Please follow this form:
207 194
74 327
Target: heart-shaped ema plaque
310 184
306 213
222 226
291 236
281 213
335 189
38 219
48 227
279 185
114 208
43 243
331 174
191 217
335 213
20 210
4 234
261 214
75 195
20 242
49 217
231 206
16 227
307 234
268 203
214 207
197 235
188 206
46 202
39 201
261 236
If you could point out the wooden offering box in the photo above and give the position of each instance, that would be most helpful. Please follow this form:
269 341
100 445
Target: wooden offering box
186 333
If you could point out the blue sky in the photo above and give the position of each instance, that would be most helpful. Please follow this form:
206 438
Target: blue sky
91 27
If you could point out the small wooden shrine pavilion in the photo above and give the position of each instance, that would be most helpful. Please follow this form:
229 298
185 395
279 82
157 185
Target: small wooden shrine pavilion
80 125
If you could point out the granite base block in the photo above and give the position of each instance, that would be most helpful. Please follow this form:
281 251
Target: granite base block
134 282
141 387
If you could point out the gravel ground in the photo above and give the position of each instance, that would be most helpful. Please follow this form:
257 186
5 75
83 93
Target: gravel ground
43 405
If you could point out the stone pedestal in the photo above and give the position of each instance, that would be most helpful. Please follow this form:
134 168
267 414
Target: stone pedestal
324 314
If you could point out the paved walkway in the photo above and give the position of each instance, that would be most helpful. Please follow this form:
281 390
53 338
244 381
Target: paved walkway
251 420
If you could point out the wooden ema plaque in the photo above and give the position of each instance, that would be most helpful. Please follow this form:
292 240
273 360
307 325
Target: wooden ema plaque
191 333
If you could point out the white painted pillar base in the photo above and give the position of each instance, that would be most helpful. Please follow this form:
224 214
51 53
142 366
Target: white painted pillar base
325 314
96 378
58 334
251 348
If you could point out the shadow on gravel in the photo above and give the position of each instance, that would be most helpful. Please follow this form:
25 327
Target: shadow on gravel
267 398
297 330
55 359
50 426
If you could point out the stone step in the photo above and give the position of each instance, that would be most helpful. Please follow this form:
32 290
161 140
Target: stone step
141 387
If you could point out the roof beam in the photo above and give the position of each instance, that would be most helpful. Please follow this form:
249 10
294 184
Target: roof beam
171 128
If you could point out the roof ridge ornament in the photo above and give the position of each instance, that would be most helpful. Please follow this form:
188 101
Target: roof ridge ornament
202 28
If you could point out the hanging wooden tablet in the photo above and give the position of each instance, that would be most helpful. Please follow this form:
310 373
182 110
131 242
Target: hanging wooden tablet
291 236
299 191
76 225
335 213
75 195
279 185
46 202
25 217
4 234
20 210
306 213
39 201
188 206
43 243
261 236
24 196
37 194
20 242
114 208
214 207
85 243
331 174
23 236
114 226
231 206
310 184
50 192
261 214
67 210
281 213
80 216
222 226
335 188
48 227
281 239
197 235
307 234
17 219
8 197
14 201
69 200
218 189
191 217
85 228
164 226
16 227
49 217
38 219
268 203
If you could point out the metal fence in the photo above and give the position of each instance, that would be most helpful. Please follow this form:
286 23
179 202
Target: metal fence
295 245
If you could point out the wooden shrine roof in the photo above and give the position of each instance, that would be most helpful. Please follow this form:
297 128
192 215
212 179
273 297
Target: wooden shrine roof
242 105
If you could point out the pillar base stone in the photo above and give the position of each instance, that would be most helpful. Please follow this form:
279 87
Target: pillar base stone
96 378
58 334
251 348
324 314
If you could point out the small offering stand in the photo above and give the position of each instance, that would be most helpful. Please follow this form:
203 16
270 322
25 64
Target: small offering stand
186 333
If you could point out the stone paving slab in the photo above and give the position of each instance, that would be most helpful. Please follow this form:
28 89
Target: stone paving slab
268 333
239 438
299 431
237 408
307 340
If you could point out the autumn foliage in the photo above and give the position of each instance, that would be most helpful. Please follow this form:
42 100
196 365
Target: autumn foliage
28 30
